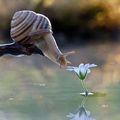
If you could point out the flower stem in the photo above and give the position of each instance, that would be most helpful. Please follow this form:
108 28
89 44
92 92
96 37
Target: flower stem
84 87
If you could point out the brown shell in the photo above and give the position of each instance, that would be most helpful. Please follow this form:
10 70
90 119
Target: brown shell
27 25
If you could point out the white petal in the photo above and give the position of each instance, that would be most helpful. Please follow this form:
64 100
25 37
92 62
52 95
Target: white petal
83 70
87 65
77 70
81 65
88 71
92 65
70 68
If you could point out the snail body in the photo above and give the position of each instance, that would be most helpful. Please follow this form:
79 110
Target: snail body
32 34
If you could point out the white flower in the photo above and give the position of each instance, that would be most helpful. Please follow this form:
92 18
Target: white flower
82 114
82 70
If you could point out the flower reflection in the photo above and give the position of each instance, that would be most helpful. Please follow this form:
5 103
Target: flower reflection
82 114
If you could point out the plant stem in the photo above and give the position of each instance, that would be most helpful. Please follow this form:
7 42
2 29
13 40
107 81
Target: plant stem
84 87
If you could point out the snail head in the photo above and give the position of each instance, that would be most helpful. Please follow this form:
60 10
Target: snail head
62 60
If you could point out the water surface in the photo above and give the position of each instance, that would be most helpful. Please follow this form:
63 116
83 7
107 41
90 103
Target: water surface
34 91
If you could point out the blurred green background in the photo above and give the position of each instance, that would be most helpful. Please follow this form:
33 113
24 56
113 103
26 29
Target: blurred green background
34 88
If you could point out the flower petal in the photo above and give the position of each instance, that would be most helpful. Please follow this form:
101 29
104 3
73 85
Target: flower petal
70 68
81 66
77 70
82 70
87 66
92 65
88 71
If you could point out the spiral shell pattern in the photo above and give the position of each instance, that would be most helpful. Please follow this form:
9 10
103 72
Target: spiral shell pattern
26 25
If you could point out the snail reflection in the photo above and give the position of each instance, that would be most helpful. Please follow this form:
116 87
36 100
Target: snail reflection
81 113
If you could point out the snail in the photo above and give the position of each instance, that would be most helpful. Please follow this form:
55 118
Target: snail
32 34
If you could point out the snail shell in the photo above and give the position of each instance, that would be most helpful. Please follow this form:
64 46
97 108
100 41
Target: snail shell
28 27
27 24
